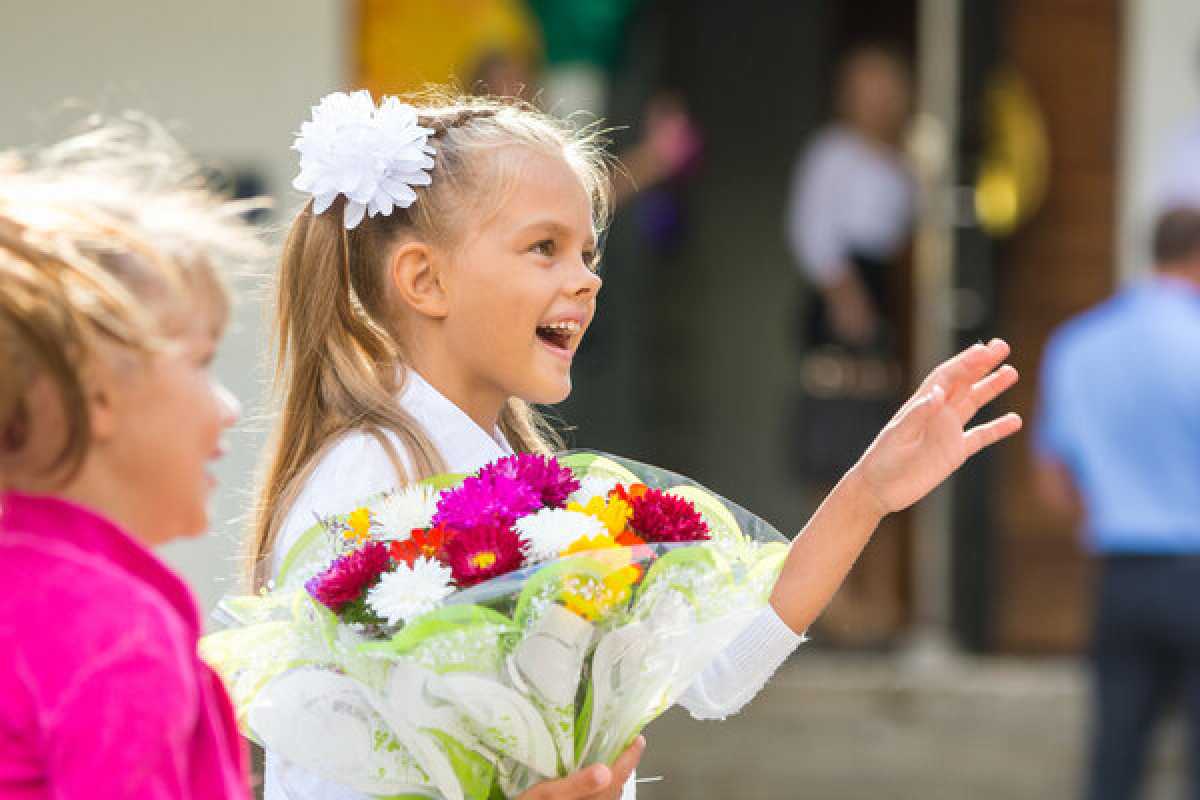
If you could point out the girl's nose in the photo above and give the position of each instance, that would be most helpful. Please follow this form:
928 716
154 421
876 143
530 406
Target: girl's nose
590 282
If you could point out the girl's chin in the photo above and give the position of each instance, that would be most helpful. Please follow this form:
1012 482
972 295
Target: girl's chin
550 392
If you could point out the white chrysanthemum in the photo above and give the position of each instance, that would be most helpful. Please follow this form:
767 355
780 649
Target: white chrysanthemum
592 486
372 156
552 530
408 592
399 513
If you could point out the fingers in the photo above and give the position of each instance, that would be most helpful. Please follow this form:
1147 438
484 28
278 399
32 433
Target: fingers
581 785
597 782
624 766
922 407
968 367
989 433
985 391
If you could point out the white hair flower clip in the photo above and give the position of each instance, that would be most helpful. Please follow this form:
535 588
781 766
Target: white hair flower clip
373 156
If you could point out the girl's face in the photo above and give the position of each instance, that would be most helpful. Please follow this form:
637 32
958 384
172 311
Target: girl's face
166 420
522 290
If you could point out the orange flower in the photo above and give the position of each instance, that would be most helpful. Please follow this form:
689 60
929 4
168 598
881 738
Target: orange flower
635 491
627 538
428 543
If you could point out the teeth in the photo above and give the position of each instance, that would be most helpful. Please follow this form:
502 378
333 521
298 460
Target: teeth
564 327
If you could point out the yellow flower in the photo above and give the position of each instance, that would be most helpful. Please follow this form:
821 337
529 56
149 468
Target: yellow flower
615 513
485 559
585 544
359 523
591 598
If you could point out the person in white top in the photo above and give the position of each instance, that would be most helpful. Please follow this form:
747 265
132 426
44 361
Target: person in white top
850 212
416 329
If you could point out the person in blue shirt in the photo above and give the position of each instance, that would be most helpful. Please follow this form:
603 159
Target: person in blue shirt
1118 443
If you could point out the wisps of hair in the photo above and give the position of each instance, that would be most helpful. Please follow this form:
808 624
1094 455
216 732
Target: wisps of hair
100 235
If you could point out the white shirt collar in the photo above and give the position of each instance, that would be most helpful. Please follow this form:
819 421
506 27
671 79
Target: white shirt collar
463 444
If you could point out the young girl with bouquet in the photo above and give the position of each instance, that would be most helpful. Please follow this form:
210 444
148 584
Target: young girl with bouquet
436 287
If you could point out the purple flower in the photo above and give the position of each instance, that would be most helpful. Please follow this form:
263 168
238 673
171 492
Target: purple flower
493 501
345 580
551 481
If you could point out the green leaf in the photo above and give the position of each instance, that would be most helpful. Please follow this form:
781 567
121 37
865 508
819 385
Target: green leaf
696 573
583 723
593 465
478 633
306 540
475 773
577 462
447 481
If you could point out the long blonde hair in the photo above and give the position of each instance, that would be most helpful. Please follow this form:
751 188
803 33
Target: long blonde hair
101 236
338 360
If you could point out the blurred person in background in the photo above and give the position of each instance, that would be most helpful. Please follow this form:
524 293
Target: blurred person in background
669 141
848 223
112 306
850 215
1118 447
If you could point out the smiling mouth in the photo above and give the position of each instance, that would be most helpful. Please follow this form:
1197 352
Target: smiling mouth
559 335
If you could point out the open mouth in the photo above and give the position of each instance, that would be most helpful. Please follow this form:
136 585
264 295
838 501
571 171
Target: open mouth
558 335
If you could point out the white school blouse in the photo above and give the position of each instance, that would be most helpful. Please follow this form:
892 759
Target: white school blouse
357 466
847 199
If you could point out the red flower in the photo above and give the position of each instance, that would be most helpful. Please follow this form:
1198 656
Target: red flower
345 580
484 552
428 543
661 517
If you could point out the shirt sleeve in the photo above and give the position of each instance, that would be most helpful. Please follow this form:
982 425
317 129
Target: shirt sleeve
122 726
352 470
815 224
742 670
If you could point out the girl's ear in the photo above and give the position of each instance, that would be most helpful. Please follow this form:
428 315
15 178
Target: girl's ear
417 279
102 401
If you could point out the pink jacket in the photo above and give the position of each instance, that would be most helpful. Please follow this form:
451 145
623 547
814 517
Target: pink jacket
102 694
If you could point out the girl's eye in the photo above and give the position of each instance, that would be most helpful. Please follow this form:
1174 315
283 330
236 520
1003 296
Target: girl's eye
543 248
592 259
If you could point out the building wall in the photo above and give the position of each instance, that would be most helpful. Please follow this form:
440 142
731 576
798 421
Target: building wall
1160 91
234 79
1062 262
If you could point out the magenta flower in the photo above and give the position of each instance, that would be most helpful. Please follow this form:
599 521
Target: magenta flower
552 482
491 500
483 552
661 517
349 576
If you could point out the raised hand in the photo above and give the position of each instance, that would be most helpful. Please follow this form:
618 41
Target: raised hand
594 783
928 439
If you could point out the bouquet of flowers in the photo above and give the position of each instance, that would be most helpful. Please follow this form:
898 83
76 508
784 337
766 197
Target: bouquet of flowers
469 636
